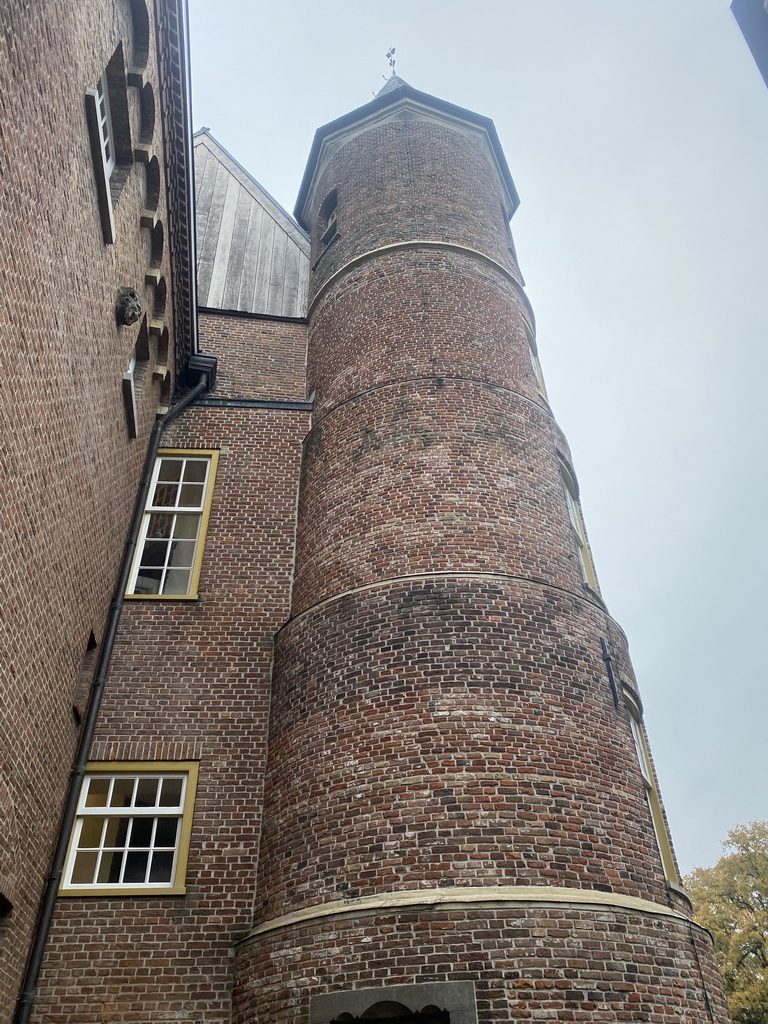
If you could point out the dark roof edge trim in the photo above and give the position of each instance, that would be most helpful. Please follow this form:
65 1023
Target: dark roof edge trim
245 314
173 51
186 99
285 404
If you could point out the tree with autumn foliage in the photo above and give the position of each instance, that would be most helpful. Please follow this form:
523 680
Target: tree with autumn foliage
731 901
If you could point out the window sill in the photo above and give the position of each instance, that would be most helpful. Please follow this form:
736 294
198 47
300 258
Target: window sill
162 597
594 596
679 890
145 892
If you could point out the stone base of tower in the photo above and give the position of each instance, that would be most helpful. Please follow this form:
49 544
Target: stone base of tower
521 961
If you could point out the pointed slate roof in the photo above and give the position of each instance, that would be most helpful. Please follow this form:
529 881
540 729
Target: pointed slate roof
393 82
251 255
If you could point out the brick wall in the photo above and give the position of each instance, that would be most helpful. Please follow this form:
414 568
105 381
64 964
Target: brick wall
410 179
191 681
442 717
542 963
70 468
266 358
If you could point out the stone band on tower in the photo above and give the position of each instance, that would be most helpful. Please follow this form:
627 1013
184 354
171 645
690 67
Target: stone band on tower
460 811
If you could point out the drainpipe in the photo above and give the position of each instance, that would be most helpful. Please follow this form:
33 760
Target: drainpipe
26 1000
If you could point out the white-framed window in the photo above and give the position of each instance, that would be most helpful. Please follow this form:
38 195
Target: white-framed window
172 536
651 792
108 118
579 533
106 132
132 829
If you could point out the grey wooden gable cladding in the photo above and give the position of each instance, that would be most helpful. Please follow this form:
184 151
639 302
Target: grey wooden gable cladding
251 255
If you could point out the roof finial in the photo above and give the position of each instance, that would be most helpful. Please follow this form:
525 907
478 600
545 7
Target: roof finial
391 59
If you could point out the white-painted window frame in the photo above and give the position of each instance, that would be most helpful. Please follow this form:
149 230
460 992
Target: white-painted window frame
155 507
106 131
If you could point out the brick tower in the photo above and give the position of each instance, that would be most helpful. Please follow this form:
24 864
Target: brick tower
461 818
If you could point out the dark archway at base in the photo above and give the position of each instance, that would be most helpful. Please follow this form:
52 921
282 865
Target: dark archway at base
390 1012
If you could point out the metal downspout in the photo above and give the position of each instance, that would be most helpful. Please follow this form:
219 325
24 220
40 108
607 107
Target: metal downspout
26 1000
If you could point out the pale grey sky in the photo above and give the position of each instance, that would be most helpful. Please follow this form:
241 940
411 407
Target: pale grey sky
637 135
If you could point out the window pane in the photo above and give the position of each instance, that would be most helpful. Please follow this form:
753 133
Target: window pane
182 554
90 833
162 866
98 789
170 469
195 470
85 865
141 832
165 494
135 867
122 792
154 552
192 495
146 793
160 526
117 831
177 582
165 834
185 527
171 795
148 581
109 869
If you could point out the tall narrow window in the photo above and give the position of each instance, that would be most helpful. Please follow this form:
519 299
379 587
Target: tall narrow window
579 533
534 355
328 218
170 546
108 118
654 804
131 833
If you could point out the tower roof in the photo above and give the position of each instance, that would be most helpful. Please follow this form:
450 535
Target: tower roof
399 101
393 82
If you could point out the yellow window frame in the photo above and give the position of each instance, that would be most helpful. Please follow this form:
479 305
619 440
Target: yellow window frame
640 738
576 518
177 886
212 455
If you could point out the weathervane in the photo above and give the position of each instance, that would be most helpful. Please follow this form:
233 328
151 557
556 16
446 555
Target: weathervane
391 59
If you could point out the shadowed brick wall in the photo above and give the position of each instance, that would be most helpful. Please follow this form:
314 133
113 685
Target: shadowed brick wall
70 470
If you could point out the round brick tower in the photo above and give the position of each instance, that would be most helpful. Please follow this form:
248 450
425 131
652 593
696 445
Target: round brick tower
461 814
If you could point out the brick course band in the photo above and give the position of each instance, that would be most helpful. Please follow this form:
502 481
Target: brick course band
586 595
417 243
432 379
497 895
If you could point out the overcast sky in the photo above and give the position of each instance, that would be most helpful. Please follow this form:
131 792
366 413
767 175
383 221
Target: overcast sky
637 135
